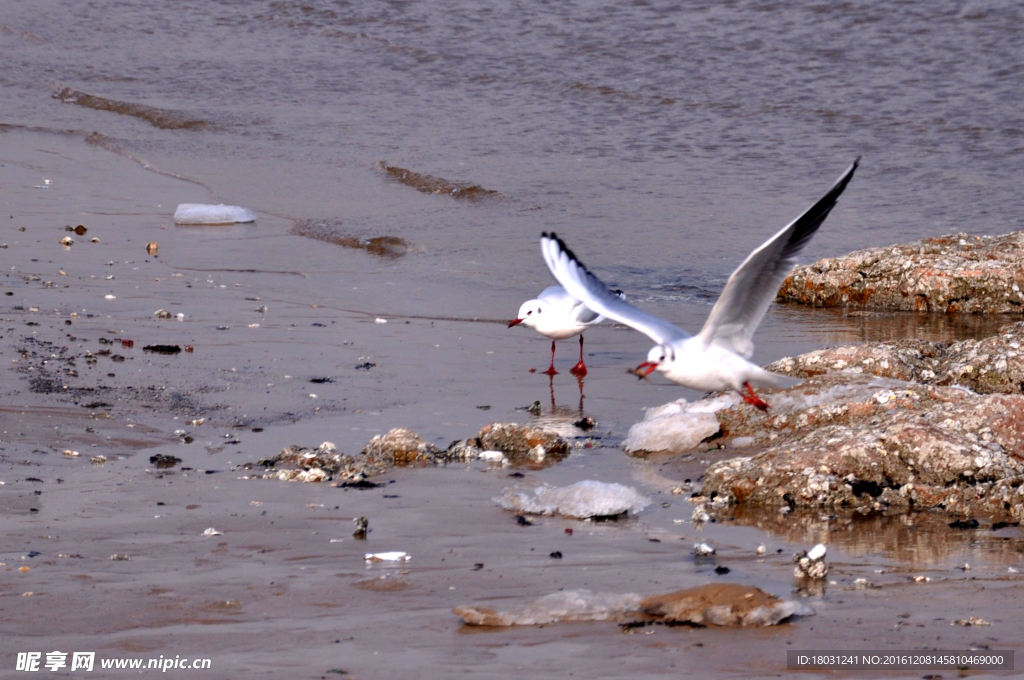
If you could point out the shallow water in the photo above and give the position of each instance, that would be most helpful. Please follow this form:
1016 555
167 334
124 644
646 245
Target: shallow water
662 141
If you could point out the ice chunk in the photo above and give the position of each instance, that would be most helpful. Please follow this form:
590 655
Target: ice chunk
201 213
581 500
567 605
677 426
394 556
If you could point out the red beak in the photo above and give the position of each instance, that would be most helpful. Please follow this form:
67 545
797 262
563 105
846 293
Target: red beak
514 322
644 369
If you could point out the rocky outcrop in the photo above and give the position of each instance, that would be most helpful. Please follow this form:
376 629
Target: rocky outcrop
955 273
849 440
990 365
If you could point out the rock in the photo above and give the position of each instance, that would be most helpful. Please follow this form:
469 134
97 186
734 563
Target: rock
324 463
994 364
724 604
400 447
811 563
522 443
163 460
847 440
460 451
955 273
703 550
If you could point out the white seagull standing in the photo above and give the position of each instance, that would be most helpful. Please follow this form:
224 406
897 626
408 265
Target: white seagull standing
717 358
557 315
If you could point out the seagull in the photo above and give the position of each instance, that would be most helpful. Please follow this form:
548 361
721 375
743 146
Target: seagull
716 359
557 315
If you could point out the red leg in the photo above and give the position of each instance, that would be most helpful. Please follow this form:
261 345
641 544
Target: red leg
579 369
752 398
551 369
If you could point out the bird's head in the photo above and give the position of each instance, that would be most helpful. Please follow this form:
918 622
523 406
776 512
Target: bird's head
659 357
530 314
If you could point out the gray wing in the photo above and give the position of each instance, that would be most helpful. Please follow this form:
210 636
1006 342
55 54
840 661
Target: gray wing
756 282
583 285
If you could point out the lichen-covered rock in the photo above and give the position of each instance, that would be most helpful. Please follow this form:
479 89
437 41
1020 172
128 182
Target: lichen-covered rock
955 273
400 447
846 440
994 364
522 443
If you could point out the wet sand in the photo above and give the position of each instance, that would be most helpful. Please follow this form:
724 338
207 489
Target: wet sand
273 594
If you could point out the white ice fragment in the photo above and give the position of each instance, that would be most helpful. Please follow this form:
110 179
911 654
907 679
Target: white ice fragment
212 532
380 320
581 500
201 213
702 550
677 426
492 456
817 552
109 297
393 556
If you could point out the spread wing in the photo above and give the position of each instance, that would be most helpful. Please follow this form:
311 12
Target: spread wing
584 286
756 282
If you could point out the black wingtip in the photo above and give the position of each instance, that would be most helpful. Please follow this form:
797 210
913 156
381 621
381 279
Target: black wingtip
561 244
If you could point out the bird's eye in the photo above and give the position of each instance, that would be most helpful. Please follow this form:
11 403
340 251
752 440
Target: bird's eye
529 312
539 311
662 358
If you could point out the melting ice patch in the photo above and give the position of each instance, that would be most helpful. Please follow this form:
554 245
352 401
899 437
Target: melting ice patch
567 605
200 213
677 426
580 500
714 604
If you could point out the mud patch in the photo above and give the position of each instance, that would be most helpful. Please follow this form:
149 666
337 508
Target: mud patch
161 118
428 184
330 231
